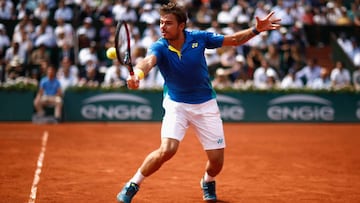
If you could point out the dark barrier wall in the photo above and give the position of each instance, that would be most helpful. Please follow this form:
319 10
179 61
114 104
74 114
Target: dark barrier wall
16 105
234 106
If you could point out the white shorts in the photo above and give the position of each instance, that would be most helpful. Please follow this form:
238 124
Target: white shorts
205 117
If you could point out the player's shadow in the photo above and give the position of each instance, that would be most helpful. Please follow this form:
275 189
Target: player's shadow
218 201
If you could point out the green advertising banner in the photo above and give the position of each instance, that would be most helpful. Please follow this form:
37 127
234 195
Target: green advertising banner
16 105
113 106
296 107
234 106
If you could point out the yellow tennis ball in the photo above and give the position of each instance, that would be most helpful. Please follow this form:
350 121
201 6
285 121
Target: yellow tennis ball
111 53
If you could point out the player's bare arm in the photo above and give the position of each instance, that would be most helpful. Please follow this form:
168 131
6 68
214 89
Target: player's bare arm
142 68
243 36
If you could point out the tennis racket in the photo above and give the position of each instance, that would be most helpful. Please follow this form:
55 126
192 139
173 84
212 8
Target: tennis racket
122 46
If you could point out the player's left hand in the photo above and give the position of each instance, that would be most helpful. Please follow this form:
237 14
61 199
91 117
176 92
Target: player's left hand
267 23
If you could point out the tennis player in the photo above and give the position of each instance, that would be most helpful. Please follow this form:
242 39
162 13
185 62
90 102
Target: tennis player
189 98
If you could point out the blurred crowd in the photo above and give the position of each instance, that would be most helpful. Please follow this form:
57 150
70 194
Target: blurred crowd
73 35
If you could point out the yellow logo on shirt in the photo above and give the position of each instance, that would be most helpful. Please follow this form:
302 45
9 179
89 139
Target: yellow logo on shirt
194 45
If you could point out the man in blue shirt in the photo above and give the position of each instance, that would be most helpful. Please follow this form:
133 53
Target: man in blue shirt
188 95
49 94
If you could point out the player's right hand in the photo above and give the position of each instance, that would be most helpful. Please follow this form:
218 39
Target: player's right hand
133 82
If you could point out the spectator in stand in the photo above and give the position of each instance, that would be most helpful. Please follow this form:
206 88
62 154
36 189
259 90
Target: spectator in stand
322 82
122 11
253 60
265 77
15 51
49 94
115 75
227 58
355 55
89 53
356 78
106 31
88 29
148 14
6 10
40 54
344 19
4 41
204 14
224 16
104 9
15 69
26 25
273 56
63 12
44 34
291 82
309 72
68 74
340 76
345 43
240 73
308 17
221 80
64 32
41 12
24 40
212 60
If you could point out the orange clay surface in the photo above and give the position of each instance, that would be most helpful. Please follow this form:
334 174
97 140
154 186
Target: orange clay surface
90 162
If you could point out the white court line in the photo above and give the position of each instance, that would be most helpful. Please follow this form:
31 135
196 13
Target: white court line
39 165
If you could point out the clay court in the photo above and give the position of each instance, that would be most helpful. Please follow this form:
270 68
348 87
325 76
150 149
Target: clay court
90 162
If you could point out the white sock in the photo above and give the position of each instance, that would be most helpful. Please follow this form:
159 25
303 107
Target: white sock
137 178
208 178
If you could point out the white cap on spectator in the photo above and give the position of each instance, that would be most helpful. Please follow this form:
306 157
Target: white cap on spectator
220 71
87 20
240 58
283 30
147 6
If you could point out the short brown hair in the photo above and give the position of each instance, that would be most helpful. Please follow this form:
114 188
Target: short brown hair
173 8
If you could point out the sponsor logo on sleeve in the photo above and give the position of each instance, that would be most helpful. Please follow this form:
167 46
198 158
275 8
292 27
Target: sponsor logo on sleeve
300 107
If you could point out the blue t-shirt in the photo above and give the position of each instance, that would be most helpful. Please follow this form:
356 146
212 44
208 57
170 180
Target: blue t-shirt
50 87
185 72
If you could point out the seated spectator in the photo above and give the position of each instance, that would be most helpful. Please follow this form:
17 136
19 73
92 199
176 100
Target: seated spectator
88 29
88 53
309 72
265 77
68 74
41 12
49 94
221 80
148 14
356 78
115 75
40 54
91 77
6 10
340 76
63 12
291 82
14 69
4 40
322 82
